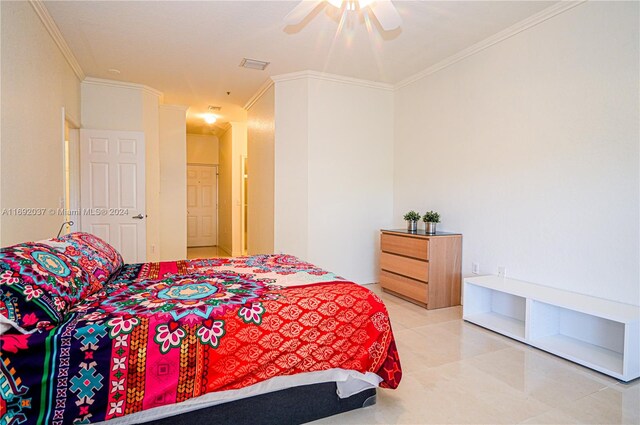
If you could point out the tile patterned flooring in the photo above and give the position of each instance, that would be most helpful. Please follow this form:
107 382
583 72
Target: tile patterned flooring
458 373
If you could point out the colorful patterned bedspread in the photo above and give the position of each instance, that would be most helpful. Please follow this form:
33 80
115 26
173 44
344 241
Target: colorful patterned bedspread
161 333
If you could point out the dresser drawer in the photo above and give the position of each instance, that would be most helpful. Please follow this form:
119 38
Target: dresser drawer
405 245
413 289
408 267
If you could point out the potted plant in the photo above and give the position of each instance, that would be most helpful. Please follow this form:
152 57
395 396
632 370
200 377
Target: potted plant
412 218
430 219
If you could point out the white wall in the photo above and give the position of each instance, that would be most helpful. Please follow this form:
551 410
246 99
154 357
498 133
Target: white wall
338 188
151 127
291 168
37 83
530 149
202 149
260 165
109 107
113 106
225 187
173 182
233 145
1 124
239 151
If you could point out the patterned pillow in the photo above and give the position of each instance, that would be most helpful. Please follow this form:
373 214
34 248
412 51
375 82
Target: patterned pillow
38 285
98 259
104 250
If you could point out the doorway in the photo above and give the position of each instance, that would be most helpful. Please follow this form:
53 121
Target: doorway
202 205
245 203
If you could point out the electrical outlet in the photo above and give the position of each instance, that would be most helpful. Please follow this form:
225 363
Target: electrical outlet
475 268
502 271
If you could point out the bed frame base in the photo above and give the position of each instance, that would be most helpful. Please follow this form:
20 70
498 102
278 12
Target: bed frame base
290 406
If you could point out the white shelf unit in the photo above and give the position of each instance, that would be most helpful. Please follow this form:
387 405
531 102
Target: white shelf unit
496 310
597 333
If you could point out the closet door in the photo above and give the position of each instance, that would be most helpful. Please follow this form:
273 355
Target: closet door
202 200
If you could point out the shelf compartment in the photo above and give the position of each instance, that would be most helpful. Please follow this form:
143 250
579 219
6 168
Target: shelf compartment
593 341
495 310
505 325
590 355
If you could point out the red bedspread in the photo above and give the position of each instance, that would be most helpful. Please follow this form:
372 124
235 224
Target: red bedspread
162 333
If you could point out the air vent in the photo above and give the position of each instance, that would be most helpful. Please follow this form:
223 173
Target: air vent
254 64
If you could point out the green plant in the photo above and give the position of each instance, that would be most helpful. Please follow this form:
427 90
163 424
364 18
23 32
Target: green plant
412 216
431 217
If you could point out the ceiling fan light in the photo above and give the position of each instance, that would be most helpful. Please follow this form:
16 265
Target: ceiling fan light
382 10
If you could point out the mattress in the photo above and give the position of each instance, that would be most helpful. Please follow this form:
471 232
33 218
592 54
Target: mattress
348 383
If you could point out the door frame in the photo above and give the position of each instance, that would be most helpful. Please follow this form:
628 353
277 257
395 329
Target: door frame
244 199
71 159
199 164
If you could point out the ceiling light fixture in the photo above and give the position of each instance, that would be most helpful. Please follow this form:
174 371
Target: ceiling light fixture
383 10
350 5
210 118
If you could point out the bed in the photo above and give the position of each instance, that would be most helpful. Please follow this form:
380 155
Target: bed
88 339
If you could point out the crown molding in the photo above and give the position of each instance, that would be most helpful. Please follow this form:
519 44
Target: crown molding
224 127
54 32
517 28
257 95
123 85
332 77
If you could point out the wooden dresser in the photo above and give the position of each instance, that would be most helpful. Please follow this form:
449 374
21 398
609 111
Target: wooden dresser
424 269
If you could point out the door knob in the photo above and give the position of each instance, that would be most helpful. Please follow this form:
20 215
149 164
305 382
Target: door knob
138 217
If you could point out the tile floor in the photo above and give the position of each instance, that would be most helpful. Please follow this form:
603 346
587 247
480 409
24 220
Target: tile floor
205 252
458 373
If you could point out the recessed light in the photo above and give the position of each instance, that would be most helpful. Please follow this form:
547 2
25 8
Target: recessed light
114 71
254 64
209 118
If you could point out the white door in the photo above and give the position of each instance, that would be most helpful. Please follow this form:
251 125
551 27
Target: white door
202 200
112 190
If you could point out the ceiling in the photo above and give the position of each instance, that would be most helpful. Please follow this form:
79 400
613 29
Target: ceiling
191 51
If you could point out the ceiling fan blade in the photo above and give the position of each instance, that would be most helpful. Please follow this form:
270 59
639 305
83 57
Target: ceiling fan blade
386 13
301 11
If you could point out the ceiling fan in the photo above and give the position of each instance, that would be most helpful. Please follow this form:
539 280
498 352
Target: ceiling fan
384 11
